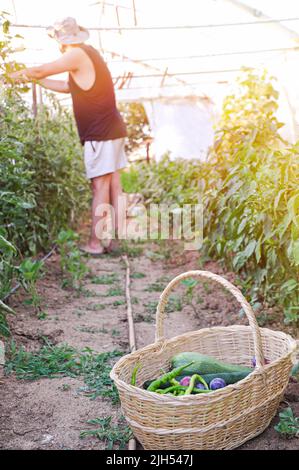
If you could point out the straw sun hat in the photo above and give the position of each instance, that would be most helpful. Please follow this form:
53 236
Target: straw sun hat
67 31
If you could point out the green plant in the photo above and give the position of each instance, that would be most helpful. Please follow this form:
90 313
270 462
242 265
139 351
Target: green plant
117 303
132 249
249 191
4 310
111 435
137 275
29 271
105 279
140 317
190 285
96 372
155 287
65 361
114 292
71 258
95 307
42 184
174 304
115 332
50 361
288 425
7 270
151 306
8 64
137 125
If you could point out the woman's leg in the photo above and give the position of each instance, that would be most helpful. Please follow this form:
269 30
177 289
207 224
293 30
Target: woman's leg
118 202
100 197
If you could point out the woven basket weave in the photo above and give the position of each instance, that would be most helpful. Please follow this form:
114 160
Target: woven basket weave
222 419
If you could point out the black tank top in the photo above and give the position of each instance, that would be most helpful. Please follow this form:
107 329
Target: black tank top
95 110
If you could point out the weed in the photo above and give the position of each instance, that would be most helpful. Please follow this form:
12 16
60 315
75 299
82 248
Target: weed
71 258
56 361
87 292
114 292
65 387
50 361
95 370
154 255
115 333
288 425
134 301
117 303
42 315
111 435
139 318
131 249
29 272
105 279
190 285
174 304
95 307
151 306
88 329
138 275
7 271
155 287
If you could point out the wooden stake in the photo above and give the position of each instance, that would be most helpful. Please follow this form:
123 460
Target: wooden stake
132 338
34 100
135 14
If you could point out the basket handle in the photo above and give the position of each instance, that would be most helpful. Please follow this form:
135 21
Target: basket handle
231 288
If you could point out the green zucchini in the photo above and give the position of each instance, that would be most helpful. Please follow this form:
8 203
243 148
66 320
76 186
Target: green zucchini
204 365
228 377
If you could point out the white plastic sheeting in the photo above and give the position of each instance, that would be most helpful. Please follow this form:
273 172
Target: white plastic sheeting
182 127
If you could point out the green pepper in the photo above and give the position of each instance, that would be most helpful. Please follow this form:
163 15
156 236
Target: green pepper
173 388
195 378
167 377
174 382
134 373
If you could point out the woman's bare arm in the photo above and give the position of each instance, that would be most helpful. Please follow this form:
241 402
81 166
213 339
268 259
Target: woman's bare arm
69 62
60 86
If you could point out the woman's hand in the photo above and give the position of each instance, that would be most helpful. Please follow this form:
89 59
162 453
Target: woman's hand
19 76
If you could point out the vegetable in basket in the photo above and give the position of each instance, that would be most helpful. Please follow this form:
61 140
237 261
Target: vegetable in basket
229 378
180 390
217 383
164 379
185 381
195 378
202 364
134 374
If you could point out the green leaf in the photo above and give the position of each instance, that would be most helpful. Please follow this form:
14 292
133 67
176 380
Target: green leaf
258 250
6 244
242 226
5 307
249 249
295 252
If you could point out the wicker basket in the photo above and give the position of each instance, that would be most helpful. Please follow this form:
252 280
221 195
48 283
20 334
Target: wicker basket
222 419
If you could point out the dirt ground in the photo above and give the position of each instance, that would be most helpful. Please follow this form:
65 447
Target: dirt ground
50 413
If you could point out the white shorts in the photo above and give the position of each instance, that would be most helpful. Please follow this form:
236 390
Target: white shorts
104 157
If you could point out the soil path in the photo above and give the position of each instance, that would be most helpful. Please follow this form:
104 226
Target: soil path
50 413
